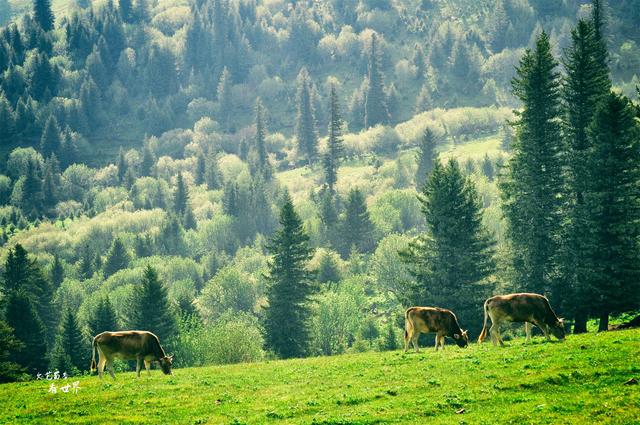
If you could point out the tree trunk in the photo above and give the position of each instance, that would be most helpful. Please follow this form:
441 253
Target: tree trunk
604 322
580 324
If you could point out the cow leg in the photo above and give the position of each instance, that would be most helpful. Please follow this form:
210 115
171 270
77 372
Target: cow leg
101 364
110 368
493 332
441 341
407 337
527 331
137 367
414 341
147 365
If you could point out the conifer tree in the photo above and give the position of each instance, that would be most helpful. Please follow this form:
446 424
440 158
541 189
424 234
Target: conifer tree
180 196
426 157
329 216
51 182
212 173
375 103
487 167
289 287
122 165
148 161
532 189
67 353
305 131
9 344
87 263
454 258
356 228
171 237
150 308
390 337
31 201
56 274
21 315
126 10
188 219
225 101
117 258
103 318
7 120
584 86
43 15
335 148
613 197
201 168
259 148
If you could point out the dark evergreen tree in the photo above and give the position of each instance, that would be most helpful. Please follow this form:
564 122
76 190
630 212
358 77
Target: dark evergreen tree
356 228
7 120
43 15
148 161
225 100
306 132
201 168
31 200
375 103
56 273
51 183
289 287
328 270
180 196
171 238
426 157
28 329
532 189
584 85
9 344
613 198
150 308
453 260
143 246
188 219
487 167
126 10
86 268
117 258
335 148
67 354
212 173
122 165
103 318
258 154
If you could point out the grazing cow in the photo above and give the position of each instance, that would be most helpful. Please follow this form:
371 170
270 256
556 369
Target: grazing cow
129 345
443 322
528 308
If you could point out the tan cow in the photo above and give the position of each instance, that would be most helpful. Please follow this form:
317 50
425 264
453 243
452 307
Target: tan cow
129 345
443 322
532 309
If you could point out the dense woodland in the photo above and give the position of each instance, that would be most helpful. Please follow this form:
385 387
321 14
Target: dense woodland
252 179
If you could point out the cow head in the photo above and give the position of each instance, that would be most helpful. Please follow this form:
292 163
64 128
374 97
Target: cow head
461 339
165 364
557 329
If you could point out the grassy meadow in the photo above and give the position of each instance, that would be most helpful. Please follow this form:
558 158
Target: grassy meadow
577 381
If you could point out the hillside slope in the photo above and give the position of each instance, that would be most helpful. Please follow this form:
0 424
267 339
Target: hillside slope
578 381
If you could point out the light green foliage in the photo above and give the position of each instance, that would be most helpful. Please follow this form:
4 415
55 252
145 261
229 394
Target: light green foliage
229 290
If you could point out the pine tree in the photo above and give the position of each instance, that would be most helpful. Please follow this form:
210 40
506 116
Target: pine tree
43 15
87 263
454 258
329 212
148 161
201 168
426 157
225 100
188 218
259 149
126 10
306 132
487 167
21 315
51 183
584 86
66 354
7 120
180 196
9 344
103 318
150 308
613 197
56 274
122 165
356 228
390 337
171 237
117 258
143 246
531 192
375 104
289 287
335 148
31 201
601 53
212 174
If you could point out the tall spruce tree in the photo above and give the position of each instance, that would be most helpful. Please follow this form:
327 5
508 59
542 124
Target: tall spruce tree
289 287
335 148
122 165
426 157
51 140
9 344
305 131
150 308
375 103
356 228
21 315
613 197
225 100
453 260
584 86
67 354
180 196
258 154
56 273
118 258
532 189
43 15
103 318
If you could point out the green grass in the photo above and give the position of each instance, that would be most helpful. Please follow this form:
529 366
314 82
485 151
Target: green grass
578 381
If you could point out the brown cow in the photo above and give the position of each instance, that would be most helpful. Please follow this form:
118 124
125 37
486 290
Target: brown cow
528 308
432 319
129 345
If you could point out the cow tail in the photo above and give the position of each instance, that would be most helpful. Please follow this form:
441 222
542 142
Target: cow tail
93 357
483 334
407 323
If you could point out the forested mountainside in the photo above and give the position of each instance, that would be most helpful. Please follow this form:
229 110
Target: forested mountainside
184 166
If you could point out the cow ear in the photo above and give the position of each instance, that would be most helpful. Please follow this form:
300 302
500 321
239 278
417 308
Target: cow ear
464 333
456 336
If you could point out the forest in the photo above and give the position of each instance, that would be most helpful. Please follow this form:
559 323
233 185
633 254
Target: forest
260 179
